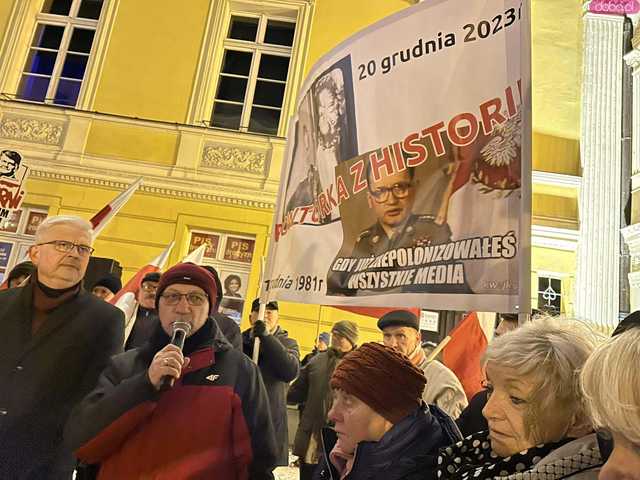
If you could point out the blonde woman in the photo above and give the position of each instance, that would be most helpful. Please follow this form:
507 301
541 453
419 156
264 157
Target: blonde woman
538 424
611 385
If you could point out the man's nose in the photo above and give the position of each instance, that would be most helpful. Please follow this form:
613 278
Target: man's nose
183 304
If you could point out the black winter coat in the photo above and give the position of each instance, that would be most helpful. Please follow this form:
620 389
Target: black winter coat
279 363
312 389
229 329
409 451
44 376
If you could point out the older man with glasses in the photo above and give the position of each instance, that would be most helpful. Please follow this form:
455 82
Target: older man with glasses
391 198
213 422
56 339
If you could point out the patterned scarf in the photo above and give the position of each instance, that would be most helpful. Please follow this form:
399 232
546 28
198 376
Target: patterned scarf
473 459
418 356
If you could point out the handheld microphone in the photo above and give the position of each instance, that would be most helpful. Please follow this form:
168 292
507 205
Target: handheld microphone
180 332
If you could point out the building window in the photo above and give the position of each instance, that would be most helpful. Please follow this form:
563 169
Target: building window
549 295
59 51
253 77
231 255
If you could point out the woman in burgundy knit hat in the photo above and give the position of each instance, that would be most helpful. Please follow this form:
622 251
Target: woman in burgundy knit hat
382 428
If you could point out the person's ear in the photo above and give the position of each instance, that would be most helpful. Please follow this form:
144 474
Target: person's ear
34 254
369 200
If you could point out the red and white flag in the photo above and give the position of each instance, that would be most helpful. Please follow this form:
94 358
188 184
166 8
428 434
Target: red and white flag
125 299
464 352
197 256
104 216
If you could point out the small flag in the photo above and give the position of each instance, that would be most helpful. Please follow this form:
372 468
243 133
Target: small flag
464 352
101 219
196 256
133 285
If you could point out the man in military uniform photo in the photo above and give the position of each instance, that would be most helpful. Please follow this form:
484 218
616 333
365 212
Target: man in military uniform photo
391 199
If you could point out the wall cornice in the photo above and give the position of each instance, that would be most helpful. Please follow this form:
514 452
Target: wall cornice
156 186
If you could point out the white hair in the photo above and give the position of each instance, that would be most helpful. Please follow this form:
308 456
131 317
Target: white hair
550 351
611 385
72 220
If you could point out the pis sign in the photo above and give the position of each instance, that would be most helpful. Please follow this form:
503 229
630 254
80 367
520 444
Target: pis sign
614 7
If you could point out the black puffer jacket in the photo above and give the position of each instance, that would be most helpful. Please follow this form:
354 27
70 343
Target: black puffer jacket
279 363
409 451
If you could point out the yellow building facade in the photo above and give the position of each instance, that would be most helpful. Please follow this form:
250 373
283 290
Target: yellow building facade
95 94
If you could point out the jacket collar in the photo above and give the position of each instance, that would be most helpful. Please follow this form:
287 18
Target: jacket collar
422 428
65 313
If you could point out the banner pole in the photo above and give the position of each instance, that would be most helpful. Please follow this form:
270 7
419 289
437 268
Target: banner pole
439 348
263 307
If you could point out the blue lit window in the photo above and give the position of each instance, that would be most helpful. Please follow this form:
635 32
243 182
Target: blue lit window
60 51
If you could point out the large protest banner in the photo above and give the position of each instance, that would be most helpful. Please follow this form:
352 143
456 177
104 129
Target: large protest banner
407 176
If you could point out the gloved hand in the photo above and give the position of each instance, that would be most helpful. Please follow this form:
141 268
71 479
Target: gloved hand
260 329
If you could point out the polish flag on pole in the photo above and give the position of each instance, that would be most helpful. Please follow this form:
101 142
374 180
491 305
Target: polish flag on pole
463 353
125 299
104 216
197 256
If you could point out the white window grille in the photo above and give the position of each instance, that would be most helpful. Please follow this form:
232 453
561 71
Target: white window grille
59 51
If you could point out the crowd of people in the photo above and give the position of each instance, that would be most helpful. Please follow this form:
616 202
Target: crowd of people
88 392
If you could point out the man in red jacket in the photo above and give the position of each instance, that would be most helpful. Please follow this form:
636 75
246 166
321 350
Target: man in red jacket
213 423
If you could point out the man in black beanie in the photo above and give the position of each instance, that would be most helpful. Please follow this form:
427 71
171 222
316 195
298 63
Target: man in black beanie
279 362
138 329
401 330
107 287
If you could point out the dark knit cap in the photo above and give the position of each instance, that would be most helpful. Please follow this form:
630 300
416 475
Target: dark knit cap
189 274
255 305
325 337
382 378
24 268
151 277
110 282
348 330
399 318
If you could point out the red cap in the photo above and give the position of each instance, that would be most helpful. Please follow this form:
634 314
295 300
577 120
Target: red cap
190 274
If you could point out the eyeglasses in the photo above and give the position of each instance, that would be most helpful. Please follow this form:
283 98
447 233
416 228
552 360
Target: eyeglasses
399 190
65 247
194 299
149 287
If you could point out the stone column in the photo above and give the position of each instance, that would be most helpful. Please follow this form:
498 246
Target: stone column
597 277
632 232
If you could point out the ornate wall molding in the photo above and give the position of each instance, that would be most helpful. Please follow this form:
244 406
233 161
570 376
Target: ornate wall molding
30 129
234 159
154 189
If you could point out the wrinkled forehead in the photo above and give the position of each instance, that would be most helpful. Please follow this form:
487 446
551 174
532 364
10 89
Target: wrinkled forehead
390 180
510 378
67 232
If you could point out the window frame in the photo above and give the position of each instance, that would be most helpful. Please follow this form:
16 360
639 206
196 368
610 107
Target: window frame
216 43
550 276
257 48
17 45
